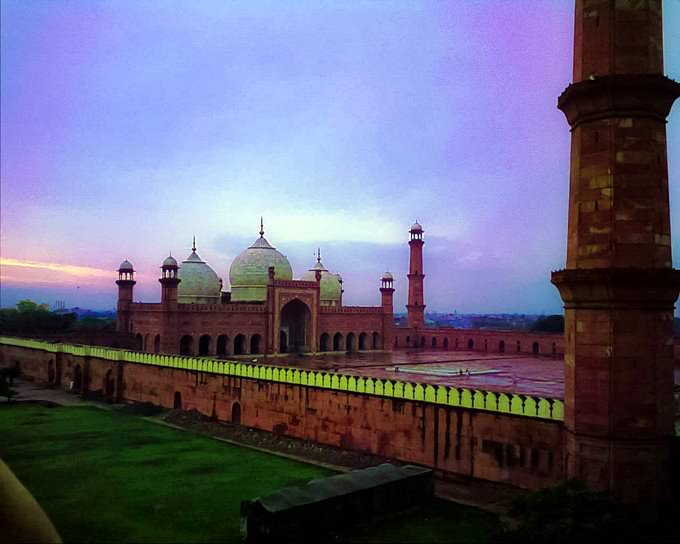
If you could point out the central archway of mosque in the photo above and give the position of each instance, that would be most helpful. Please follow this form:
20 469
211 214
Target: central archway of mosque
295 325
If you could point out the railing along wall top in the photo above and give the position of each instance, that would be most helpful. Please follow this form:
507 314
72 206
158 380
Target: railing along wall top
491 401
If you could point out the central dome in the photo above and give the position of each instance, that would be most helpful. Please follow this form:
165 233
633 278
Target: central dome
200 284
249 272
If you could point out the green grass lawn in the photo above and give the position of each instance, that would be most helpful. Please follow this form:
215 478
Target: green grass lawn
437 521
107 476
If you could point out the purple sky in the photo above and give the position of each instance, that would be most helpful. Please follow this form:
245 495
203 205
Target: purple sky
129 126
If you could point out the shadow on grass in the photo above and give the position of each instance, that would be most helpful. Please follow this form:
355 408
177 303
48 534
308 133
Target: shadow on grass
570 513
437 521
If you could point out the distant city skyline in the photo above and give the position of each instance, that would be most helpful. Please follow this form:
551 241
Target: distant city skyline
129 127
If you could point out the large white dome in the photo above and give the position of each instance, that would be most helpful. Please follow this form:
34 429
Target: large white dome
249 272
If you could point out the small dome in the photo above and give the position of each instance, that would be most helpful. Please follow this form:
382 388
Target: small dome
200 284
387 276
125 266
249 272
170 261
416 227
331 284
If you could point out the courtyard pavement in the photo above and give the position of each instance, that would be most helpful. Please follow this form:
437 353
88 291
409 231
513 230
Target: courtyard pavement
541 376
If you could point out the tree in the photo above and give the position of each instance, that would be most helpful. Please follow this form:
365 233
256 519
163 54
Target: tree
552 323
30 317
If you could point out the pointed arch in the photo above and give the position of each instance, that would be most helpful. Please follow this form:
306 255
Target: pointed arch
186 345
77 379
204 345
222 345
296 323
255 343
324 342
236 413
240 344
351 342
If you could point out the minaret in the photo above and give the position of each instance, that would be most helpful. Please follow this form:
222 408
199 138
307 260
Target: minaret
619 287
416 300
169 279
126 282
387 294
387 290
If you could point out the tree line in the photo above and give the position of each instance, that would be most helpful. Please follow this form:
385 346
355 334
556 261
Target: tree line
30 317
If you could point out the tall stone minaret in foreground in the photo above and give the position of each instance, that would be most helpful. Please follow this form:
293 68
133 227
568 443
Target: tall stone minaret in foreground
619 287
416 297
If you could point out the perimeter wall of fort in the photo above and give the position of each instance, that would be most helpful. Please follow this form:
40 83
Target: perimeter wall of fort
489 341
513 439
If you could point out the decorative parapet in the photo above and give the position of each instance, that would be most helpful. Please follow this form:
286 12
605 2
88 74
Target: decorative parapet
352 310
299 284
252 307
475 399
256 307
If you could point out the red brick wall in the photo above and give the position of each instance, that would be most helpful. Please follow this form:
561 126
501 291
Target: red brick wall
485 341
519 451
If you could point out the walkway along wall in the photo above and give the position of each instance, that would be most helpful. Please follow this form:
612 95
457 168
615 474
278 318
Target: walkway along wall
514 439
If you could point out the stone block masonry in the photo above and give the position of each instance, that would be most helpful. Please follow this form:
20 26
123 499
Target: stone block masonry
513 439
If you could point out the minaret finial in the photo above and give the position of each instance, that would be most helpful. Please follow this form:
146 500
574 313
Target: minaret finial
193 244
318 255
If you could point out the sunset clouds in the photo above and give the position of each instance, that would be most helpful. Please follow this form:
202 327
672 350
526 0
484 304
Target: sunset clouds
129 126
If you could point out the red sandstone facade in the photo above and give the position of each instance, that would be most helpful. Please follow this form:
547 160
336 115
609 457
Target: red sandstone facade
520 451
291 318
619 287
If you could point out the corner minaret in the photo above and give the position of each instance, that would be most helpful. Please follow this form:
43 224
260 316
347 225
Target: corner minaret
387 295
126 282
619 287
387 292
169 280
416 300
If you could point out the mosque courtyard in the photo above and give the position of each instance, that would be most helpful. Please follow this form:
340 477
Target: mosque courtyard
541 376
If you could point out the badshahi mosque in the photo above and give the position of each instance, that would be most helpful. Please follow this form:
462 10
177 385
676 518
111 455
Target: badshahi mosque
266 311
